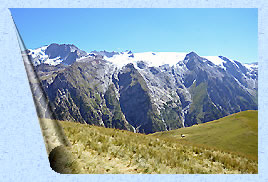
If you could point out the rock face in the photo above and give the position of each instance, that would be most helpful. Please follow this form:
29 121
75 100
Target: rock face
128 91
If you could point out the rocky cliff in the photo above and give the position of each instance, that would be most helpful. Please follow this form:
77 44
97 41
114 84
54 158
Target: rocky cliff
143 92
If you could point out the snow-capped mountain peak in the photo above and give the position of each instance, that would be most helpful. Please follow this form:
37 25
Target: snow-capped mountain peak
55 54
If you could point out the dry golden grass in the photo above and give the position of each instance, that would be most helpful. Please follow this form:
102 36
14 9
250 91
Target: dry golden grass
104 150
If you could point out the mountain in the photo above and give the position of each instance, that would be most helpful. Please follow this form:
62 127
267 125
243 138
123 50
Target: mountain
143 92
55 54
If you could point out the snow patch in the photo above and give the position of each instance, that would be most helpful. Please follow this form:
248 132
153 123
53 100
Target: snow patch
216 60
155 59
251 66
54 61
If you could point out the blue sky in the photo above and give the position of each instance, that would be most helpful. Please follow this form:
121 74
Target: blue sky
208 32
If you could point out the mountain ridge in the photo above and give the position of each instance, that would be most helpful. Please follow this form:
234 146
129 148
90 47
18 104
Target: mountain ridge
139 91
112 53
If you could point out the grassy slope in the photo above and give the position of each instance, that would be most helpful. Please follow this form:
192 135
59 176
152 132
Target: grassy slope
106 150
236 133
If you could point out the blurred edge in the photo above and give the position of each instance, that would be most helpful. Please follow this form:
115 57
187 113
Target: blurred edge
57 145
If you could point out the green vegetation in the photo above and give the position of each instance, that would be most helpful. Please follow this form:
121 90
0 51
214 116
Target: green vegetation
107 150
171 117
202 109
196 112
117 119
135 102
234 133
